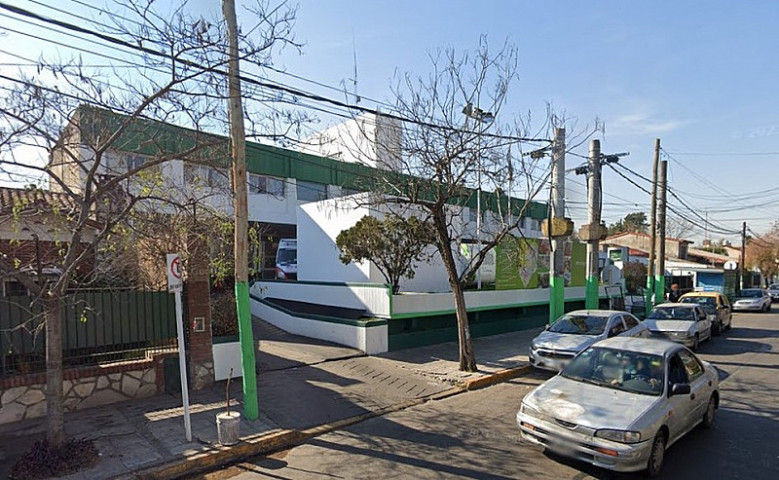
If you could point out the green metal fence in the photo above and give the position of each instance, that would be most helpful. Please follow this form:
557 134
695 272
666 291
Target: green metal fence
97 326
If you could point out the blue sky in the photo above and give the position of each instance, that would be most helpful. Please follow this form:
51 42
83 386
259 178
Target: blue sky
702 76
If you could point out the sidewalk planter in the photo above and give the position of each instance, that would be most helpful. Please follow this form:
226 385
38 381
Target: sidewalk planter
228 427
227 355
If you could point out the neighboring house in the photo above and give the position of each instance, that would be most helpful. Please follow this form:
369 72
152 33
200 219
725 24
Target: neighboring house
33 228
674 247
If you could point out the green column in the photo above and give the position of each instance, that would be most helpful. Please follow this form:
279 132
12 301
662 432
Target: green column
250 402
659 289
649 293
592 299
556 297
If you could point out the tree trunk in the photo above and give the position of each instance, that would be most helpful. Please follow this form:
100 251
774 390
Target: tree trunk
467 356
55 428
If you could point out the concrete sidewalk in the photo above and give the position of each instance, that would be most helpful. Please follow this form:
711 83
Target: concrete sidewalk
304 386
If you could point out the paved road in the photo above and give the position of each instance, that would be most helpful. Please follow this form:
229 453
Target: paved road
473 435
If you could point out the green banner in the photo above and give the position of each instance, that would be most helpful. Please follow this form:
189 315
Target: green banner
523 263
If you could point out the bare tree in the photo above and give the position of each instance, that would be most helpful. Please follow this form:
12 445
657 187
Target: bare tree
448 155
110 148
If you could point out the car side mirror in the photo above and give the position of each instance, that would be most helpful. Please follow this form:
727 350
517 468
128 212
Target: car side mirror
546 327
680 389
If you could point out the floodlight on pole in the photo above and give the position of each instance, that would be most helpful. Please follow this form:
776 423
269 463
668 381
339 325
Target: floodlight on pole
482 117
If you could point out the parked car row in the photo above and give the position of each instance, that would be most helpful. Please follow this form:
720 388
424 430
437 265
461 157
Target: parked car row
627 389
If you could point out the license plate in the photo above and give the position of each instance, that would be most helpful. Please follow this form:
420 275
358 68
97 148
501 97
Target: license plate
562 448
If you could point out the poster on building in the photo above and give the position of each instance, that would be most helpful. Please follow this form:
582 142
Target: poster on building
523 263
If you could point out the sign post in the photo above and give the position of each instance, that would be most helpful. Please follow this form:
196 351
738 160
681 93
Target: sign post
175 285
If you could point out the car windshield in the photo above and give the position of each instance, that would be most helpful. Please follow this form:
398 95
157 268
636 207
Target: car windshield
774 286
708 303
579 325
672 313
632 372
285 256
751 294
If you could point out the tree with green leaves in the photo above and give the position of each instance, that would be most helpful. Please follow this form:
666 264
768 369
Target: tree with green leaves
394 244
635 222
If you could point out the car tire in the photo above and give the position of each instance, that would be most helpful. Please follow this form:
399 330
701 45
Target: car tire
717 328
708 416
656 456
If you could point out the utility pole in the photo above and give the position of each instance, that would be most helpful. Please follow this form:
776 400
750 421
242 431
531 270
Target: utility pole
661 214
238 137
650 283
557 279
593 219
743 260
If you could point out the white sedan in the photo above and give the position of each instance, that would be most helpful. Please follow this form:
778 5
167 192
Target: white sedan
577 330
620 403
753 299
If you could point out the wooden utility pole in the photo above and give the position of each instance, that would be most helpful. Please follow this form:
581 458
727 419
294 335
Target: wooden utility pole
743 260
557 279
650 283
593 218
238 141
661 215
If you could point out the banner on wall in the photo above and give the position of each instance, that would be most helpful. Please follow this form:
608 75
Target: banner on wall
523 263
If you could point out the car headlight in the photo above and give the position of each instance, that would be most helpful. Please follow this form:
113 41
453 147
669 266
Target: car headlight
526 409
621 436
533 347
712 317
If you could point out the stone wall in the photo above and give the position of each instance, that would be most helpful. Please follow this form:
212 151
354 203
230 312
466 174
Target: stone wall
23 397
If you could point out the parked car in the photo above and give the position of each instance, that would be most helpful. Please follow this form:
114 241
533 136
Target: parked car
685 323
717 307
752 299
620 403
773 290
577 330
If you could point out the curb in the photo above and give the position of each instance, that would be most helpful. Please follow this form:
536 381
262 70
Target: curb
495 378
261 444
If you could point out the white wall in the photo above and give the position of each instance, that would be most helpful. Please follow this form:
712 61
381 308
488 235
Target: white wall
319 223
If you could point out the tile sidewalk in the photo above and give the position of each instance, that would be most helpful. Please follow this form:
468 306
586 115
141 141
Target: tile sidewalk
303 383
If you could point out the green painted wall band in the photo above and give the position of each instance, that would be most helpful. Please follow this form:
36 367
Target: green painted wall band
659 289
250 401
649 293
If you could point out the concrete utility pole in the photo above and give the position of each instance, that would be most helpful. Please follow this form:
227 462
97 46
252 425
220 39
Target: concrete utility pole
650 281
743 260
238 137
661 211
593 219
557 279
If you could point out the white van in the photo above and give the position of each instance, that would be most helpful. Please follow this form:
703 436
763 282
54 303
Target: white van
287 259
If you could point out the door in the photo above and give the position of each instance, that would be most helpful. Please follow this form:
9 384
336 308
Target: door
702 324
700 386
680 407
724 310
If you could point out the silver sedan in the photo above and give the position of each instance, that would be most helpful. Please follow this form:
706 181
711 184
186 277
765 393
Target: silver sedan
620 403
577 330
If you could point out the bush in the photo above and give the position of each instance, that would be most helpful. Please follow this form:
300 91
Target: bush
224 318
42 461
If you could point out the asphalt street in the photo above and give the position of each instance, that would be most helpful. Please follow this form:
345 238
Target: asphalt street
474 435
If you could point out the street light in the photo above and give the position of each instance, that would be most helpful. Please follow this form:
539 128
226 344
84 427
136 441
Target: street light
482 117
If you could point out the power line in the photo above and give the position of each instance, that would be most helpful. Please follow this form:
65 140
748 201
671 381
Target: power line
276 87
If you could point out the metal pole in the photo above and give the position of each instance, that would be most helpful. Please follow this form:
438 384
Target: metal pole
593 218
650 281
557 279
661 213
478 202
238 137
743 260
183 366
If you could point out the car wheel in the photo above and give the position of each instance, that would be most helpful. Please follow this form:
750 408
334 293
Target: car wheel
708 415
657 456
717 328
696 343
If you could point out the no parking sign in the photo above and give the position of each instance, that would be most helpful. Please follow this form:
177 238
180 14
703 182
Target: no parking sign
174 272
